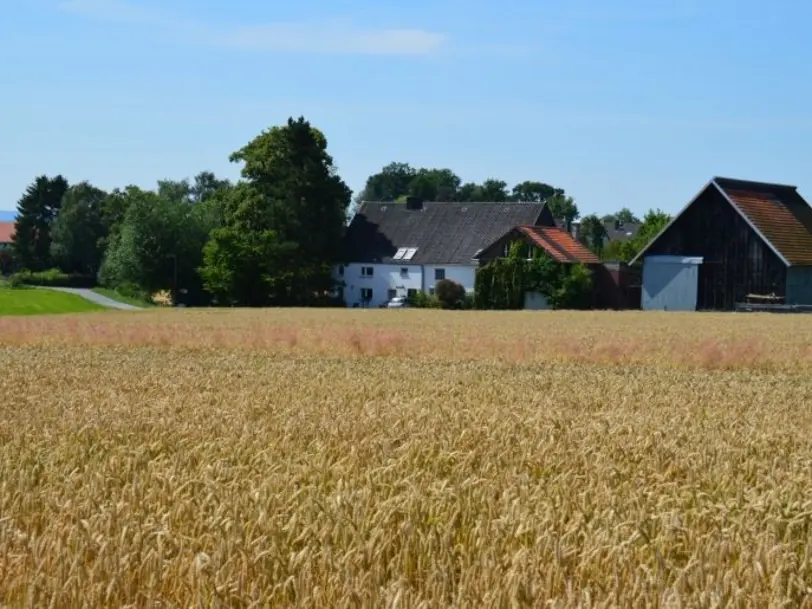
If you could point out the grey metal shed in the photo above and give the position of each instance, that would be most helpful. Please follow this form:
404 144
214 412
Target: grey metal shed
670 283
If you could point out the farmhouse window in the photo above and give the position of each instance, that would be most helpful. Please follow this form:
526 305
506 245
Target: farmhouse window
366 293
367 271
439 274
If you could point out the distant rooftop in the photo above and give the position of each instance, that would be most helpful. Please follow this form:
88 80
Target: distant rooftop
433 232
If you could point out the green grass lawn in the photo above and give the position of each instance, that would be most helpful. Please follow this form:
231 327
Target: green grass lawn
30 301
125 299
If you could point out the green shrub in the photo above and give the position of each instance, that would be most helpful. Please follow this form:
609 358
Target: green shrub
575 289
131 290
450 293
15 282
421 300
53 278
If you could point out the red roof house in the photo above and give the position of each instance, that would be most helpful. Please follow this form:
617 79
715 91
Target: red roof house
6 232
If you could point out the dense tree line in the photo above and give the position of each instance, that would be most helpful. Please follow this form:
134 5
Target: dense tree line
271 238
396 181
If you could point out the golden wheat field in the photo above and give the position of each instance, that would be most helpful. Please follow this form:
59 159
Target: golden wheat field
331 458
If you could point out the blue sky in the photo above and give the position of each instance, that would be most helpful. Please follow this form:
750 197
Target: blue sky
629 103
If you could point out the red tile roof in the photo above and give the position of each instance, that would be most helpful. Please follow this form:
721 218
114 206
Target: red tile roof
559 244
6 231
778 212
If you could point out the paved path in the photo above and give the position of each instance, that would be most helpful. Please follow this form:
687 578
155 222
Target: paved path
97 298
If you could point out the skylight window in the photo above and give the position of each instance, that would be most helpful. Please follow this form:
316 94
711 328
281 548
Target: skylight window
399 254
410 253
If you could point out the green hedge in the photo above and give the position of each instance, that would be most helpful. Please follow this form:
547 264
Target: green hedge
53 278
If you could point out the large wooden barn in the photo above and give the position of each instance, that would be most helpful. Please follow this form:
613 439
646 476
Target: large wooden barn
736 241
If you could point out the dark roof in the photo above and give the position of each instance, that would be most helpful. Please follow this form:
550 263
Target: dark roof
621 231
559 244
6 231
443 233
776 212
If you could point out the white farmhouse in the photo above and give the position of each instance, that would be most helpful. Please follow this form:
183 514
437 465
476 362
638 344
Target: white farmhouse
397 249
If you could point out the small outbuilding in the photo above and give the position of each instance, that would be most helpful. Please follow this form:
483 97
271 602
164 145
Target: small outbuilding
736 241
556 243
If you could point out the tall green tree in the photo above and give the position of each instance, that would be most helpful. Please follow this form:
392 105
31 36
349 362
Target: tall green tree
593 233
654 221
396 181
563 208
470 192
245 262
159 245
79 230
534 192
391 183
36 211
206 186
493 190
435 185
177 191
114 209
283 228
625 215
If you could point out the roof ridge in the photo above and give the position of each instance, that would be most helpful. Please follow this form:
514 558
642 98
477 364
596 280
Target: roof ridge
718 179
535 203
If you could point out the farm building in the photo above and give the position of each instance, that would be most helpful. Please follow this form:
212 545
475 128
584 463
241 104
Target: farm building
397 249
617 286
6 241
736 241
6 234
556 242
564 248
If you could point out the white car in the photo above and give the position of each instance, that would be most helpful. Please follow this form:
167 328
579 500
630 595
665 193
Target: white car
398 302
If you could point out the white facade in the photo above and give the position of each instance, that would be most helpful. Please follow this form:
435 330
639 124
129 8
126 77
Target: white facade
464 274
371 285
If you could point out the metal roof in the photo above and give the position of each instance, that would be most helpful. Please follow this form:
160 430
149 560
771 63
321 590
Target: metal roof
780 214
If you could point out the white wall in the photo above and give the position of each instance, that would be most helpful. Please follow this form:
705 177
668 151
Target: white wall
384 277
462 274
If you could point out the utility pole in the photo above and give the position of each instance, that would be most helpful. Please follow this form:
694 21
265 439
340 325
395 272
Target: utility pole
174 280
